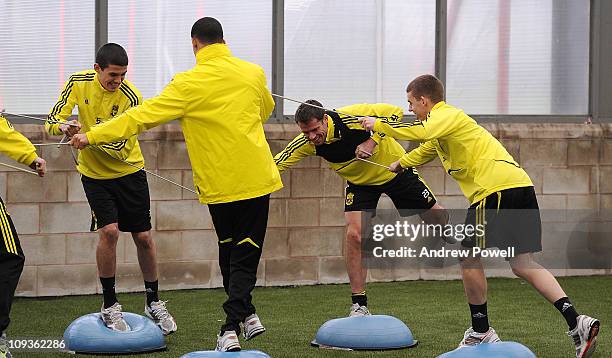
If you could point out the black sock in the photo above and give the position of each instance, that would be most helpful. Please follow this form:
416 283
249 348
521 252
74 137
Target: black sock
480 319
108 290
360 298
151 290
230 326
568 311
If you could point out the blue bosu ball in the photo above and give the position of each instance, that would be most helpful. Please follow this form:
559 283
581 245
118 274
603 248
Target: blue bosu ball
491 350
213 354
376 332
88 334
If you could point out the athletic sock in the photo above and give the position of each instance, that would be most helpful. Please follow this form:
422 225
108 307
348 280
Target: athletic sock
151 290
108 290
230 326
568 311
360 298
480 319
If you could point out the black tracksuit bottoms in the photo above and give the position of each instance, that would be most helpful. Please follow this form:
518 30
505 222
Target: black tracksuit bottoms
11 265
241 228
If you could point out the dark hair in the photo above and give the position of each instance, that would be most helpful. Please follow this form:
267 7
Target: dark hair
111 54
427 86
304 113
207 30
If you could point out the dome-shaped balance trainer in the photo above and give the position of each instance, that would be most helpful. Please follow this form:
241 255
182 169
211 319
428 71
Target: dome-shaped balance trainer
491 350
88 334
377 332
213 354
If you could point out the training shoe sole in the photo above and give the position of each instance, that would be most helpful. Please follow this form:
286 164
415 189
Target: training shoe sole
592 340
255 334
233 349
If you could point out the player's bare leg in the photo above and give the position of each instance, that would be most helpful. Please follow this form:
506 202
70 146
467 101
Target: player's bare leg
582 328
525 267
354 267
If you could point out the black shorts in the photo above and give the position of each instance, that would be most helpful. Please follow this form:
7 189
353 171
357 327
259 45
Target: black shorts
123 200
509 218
407 190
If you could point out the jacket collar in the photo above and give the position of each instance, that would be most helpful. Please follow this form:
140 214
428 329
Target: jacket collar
211 51
436 106
331 131
98 85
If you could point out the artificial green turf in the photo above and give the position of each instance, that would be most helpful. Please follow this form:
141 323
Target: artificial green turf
435 311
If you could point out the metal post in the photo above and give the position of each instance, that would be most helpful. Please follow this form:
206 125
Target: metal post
600 74
440 65
278 55
380 48
567 82
101 31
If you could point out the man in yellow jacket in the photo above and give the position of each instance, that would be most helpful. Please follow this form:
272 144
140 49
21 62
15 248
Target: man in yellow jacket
14 145
221 104
338 137
117 191
502 198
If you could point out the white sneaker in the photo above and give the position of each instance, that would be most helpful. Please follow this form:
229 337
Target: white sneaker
160 315
228 342
113 318
252 327
4 351
472 338
357 310
585 336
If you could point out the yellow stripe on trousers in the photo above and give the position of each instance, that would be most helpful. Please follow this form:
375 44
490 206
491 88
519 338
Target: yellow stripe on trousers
484 223
9 240
8 228
480 220
478 223
5 236
427 186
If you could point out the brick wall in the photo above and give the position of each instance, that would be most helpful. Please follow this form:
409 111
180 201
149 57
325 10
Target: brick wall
570 165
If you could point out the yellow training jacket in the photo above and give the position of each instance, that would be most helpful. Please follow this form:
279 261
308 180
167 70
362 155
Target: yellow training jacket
14 145
97 105
355 171
469 153
221 104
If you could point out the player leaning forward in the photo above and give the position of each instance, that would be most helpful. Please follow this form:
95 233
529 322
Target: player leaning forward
494 184
338 138
117 192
